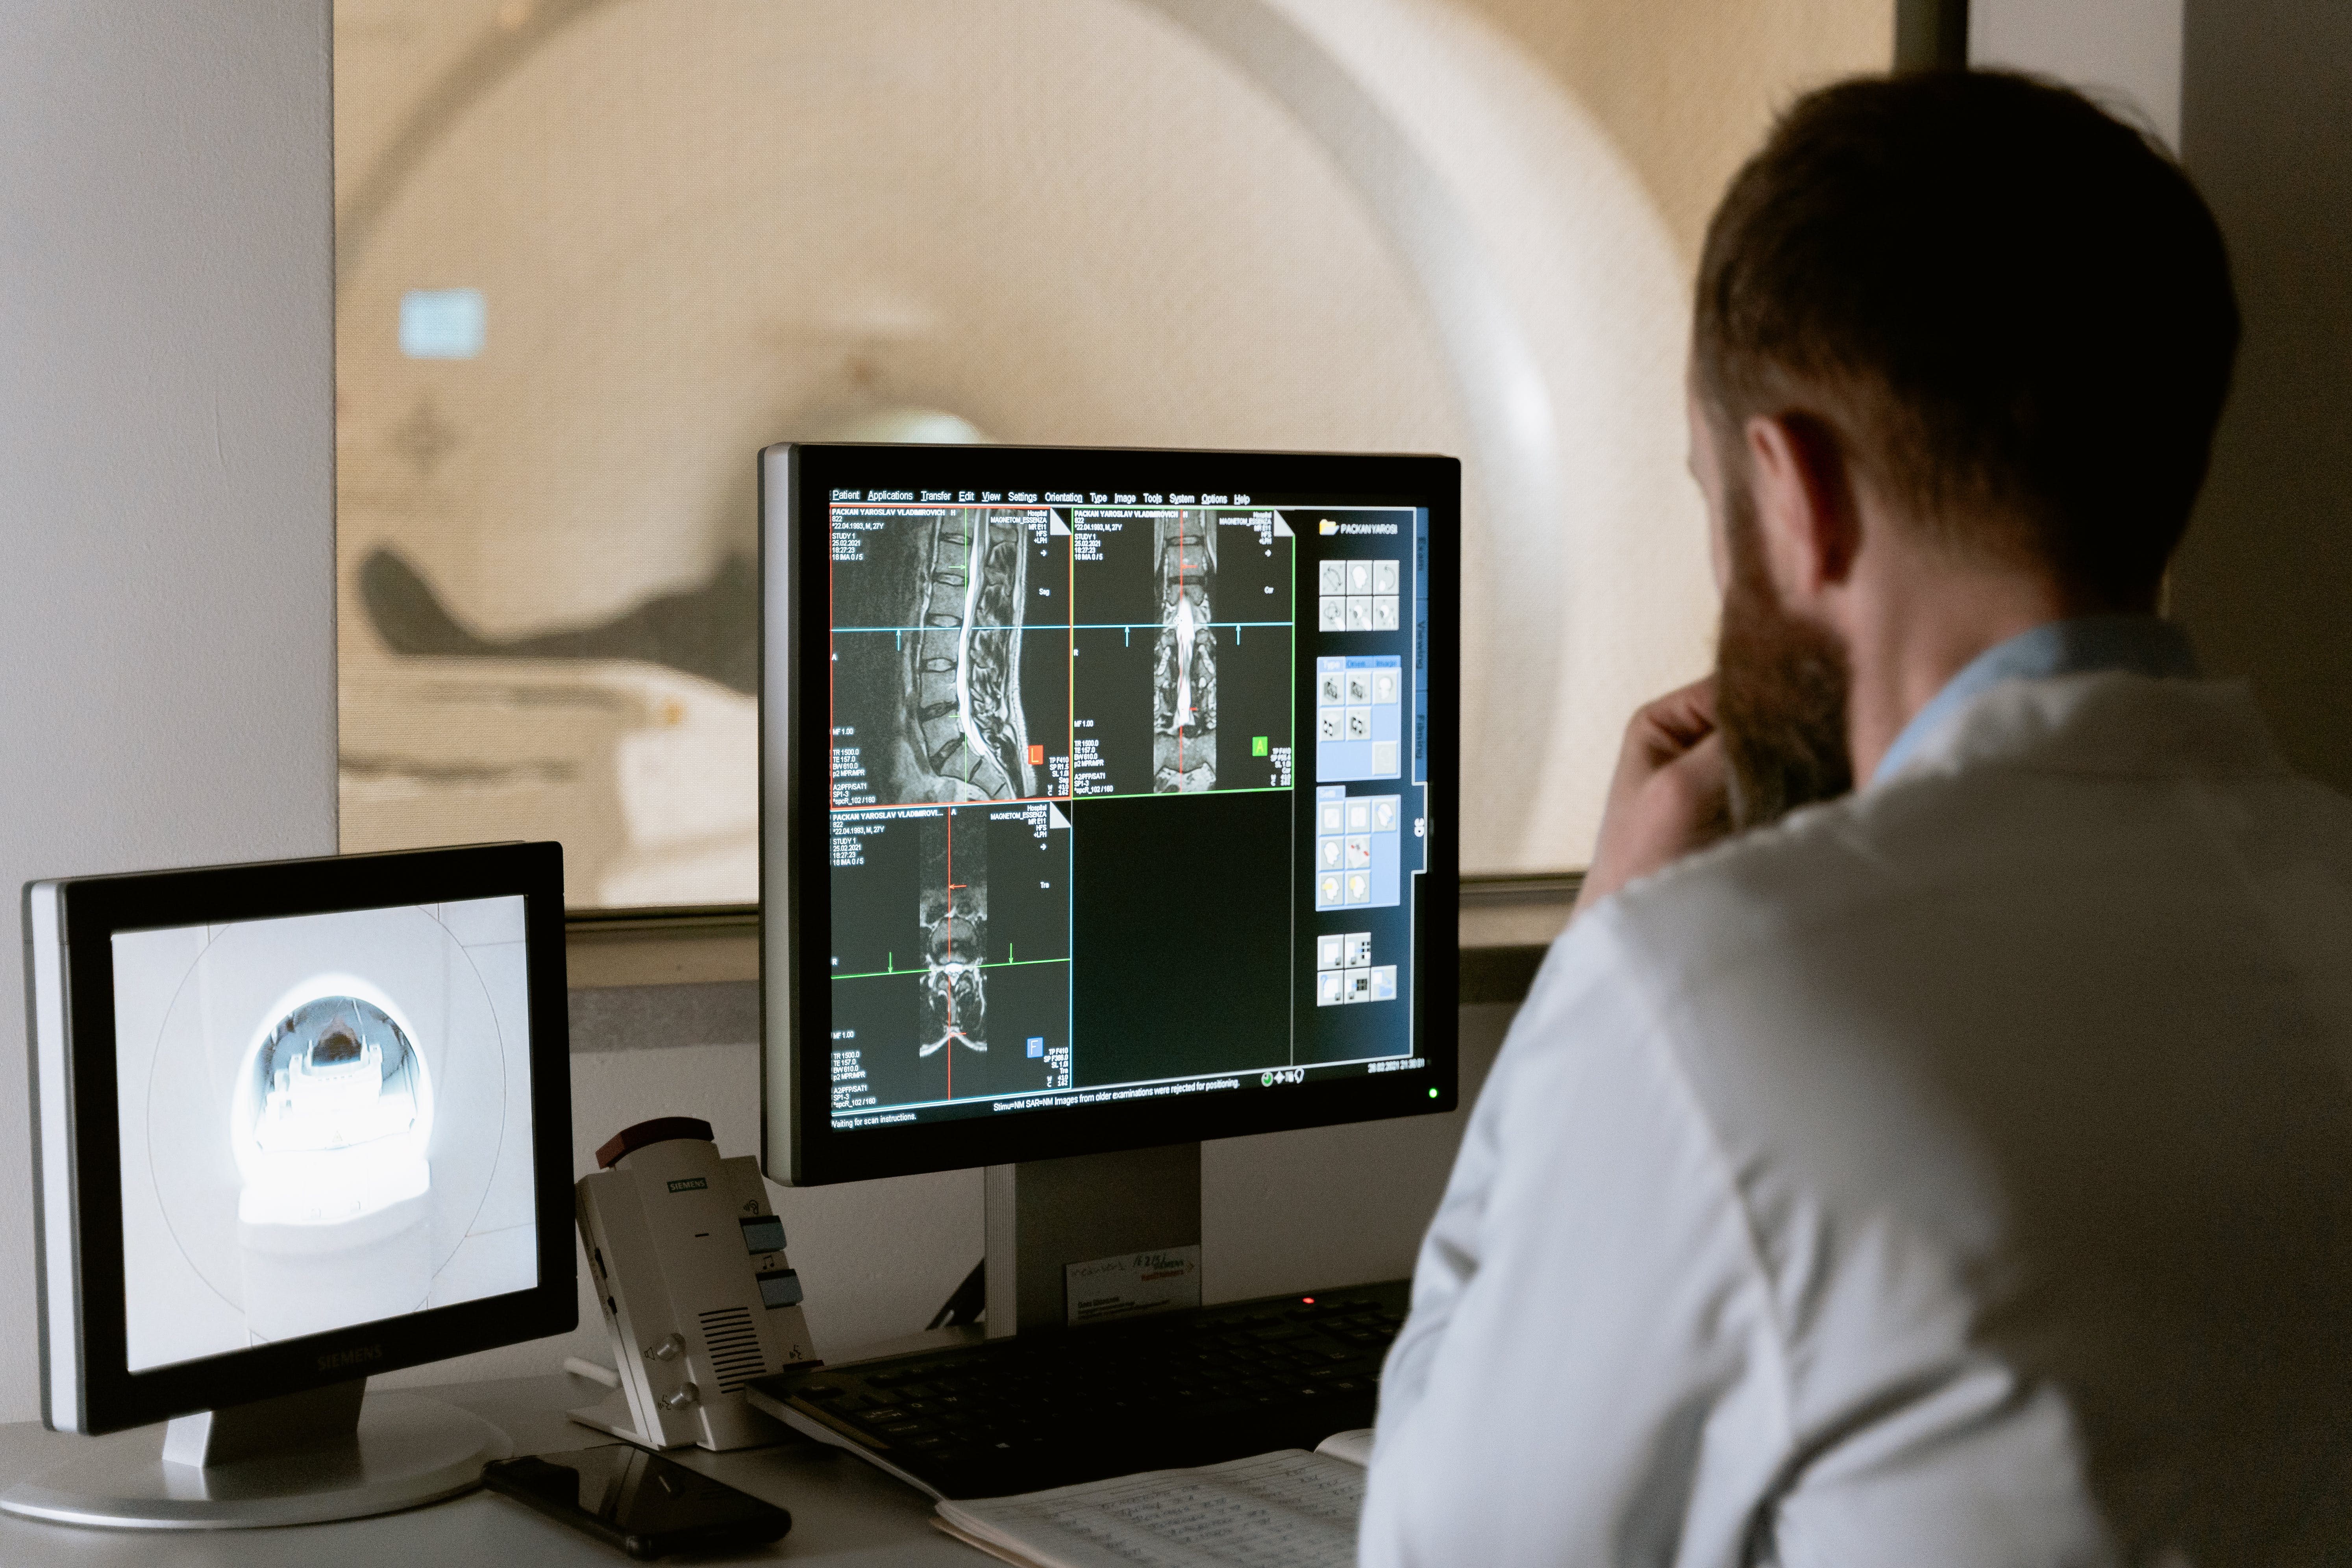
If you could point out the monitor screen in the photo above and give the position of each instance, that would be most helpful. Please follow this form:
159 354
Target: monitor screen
325 1120
1130 769
296 1123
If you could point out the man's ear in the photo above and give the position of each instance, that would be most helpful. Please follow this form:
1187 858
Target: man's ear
1804 503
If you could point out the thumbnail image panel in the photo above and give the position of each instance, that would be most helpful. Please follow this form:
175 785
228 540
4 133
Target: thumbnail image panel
950 669
950 953
1181 658
1363 582
1363 962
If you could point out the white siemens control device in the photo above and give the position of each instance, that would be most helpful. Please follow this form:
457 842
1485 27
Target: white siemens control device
688 1263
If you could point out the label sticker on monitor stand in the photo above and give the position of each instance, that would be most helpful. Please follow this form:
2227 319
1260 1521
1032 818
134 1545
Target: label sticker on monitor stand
1132 1284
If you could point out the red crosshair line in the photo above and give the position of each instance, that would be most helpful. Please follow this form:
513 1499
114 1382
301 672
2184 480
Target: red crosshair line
949 1049
1182 672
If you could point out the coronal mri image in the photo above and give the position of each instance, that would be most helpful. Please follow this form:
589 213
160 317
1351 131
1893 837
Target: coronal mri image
954 915
1184 674
1181 678
932 673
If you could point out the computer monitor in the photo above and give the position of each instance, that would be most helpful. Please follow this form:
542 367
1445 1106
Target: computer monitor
295 1124
1109 799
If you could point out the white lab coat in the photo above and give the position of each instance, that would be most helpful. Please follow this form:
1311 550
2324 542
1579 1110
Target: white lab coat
1956 1174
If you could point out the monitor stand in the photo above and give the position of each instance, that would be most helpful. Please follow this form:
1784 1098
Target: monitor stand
299 1458
1044 1216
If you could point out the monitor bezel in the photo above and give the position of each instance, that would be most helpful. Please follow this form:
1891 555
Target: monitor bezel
109 1396
799 1145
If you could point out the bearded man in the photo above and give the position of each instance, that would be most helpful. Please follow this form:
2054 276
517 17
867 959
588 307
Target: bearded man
1931 1141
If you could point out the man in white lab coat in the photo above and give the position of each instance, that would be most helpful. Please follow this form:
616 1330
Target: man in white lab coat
1930 1143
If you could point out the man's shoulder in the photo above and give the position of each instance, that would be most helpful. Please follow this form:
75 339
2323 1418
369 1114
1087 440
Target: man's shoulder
2043 789
1772 887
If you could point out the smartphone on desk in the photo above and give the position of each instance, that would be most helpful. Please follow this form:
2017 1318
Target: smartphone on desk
640 1502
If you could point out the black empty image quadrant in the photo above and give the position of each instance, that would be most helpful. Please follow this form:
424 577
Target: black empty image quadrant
1182 953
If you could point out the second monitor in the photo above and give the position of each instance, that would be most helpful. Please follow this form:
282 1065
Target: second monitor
1109 799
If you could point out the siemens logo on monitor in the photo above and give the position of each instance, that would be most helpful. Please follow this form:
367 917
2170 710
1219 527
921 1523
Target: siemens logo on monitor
334 1361
691 1183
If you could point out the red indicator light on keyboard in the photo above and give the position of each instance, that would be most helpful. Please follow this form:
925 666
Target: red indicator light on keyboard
1308 1299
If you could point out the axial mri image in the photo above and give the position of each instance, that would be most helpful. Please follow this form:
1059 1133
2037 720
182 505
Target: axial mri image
953 909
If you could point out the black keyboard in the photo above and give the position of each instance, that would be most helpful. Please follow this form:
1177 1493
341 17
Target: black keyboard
1055 1409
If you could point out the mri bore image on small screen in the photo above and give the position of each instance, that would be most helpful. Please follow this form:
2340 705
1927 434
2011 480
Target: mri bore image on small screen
336 1073
324 1120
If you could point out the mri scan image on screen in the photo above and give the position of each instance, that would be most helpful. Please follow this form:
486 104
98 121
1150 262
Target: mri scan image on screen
325 1120
953 670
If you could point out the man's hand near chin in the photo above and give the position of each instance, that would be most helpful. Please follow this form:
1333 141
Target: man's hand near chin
1670 796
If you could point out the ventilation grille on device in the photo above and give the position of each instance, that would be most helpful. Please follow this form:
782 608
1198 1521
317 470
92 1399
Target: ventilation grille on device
733 1346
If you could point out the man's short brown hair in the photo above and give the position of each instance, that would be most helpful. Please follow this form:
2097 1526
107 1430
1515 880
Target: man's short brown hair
2007 304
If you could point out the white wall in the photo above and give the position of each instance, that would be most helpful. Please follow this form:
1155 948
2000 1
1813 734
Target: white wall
166 487
2125 52
2256 98
2266 571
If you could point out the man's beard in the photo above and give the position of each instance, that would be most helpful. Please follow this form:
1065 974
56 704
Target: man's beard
1780 689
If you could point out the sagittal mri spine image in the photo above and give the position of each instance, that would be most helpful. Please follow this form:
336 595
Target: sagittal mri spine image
936 683
1184 673
963 716
953 911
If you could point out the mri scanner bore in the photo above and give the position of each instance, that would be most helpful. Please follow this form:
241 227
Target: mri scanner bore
325 1121
331 1125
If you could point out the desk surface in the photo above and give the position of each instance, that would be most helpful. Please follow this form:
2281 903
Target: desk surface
844 1510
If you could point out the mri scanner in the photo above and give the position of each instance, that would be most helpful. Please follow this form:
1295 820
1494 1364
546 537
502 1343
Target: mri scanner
331 1122
699 229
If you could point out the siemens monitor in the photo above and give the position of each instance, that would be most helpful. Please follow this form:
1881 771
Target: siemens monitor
1109 802
295 1124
